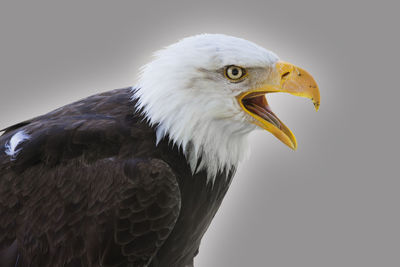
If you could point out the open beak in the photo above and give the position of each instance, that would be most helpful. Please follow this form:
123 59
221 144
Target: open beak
292 80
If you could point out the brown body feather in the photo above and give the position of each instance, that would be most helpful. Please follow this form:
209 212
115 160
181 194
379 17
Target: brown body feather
91 188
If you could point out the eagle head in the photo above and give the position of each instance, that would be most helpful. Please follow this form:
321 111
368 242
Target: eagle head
206 93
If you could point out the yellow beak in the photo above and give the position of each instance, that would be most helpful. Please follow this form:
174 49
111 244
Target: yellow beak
292 80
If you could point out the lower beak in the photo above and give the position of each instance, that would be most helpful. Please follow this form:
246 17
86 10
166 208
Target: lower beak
292 80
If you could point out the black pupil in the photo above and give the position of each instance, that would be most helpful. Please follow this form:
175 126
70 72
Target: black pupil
235 72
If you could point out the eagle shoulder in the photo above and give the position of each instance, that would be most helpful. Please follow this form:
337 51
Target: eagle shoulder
73 188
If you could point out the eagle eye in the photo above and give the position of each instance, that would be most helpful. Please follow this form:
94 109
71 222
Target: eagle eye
234 73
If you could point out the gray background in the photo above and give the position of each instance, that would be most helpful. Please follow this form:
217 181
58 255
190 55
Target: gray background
333 202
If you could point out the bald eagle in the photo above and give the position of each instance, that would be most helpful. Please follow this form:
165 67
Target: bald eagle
134 176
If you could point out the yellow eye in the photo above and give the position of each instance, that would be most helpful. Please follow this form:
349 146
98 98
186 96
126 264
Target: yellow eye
234 73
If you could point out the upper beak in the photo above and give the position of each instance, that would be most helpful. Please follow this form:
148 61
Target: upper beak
292 80
297 81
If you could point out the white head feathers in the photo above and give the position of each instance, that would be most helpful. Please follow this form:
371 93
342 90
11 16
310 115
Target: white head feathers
184 92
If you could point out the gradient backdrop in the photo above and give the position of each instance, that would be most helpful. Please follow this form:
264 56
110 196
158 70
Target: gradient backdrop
333 202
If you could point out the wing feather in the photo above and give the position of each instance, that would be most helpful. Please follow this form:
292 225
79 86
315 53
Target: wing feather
72 197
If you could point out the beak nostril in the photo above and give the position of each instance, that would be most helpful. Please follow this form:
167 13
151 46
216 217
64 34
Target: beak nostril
285 74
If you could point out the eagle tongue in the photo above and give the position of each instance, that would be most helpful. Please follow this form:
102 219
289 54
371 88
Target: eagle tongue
265 113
